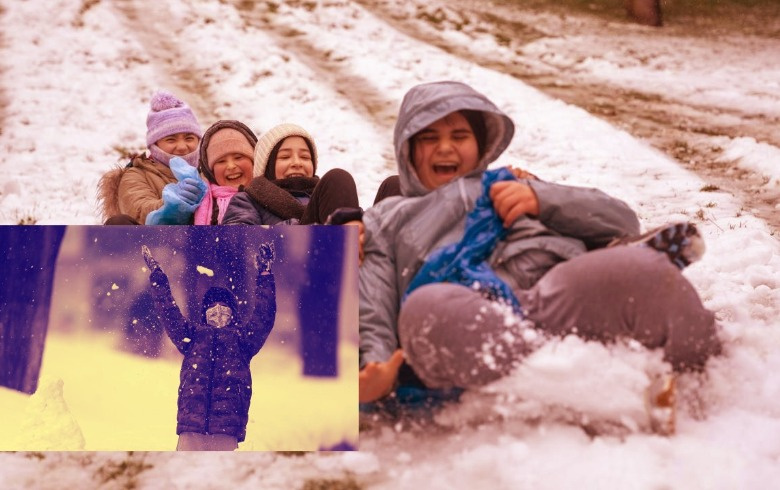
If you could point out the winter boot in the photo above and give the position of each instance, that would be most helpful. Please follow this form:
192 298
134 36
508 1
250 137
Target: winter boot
681 242
660 400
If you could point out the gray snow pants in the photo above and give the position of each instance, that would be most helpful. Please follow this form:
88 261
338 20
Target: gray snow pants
452 336
192 441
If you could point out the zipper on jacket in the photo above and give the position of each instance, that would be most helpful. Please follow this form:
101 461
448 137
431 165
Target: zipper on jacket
211 382
463 194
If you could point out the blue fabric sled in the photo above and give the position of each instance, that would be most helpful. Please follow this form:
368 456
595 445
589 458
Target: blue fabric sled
412 401
465 262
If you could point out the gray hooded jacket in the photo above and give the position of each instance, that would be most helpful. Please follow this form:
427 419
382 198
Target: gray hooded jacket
400 232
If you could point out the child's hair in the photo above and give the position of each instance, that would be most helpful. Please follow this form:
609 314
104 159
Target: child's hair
268 147
477 122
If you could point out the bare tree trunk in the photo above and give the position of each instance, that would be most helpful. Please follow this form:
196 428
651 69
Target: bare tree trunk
27 259
647 12
319 303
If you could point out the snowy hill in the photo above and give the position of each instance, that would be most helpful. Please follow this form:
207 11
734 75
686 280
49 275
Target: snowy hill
77 77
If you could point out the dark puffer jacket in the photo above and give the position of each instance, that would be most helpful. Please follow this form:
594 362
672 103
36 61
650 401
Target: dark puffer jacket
271 202
215 385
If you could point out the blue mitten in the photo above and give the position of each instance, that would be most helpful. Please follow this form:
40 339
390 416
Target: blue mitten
180 200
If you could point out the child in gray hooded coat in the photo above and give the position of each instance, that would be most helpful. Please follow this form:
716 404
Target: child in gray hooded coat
554 258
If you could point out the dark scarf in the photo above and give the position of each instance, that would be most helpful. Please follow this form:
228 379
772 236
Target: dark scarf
278 196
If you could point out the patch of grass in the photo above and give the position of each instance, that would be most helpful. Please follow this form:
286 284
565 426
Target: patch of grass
502 40
86 6
709 188
331 484
710 205
125 472
246 5
126 153
437 17
26 220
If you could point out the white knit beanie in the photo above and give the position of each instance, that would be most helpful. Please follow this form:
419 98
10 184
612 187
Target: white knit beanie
272 137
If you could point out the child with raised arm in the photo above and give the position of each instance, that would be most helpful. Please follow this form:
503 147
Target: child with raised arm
215 385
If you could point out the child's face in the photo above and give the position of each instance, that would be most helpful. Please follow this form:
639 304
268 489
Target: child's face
294 159
233 170
445 150
219 315
178 144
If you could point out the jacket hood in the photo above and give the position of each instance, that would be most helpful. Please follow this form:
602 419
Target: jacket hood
219 295
427 103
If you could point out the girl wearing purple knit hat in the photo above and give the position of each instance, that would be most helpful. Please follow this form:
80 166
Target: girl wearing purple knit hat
163 187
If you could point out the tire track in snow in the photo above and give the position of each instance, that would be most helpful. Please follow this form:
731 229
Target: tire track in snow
366 100
155 34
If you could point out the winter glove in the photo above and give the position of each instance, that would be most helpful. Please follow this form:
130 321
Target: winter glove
157 276
265 256
343 215
180 200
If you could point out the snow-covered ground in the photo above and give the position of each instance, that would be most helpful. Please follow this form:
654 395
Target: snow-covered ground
77 81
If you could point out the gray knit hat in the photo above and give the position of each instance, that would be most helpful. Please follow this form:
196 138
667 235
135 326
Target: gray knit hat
273 137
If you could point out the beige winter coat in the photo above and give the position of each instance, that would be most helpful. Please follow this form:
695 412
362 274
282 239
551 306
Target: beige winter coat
135 190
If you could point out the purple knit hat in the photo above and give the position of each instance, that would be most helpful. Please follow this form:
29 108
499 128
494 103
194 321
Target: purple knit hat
169 115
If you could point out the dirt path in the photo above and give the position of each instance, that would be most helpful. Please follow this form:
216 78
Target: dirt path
684 131
366 99
168 58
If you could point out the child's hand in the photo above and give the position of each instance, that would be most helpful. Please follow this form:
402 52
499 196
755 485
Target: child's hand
512 199
190 187
376 379
157 277
150 262
265 255
190 191
522 174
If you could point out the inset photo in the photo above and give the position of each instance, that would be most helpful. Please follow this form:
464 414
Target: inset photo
159 338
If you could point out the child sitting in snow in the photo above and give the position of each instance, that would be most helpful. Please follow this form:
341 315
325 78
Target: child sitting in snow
285 188
215 383
160 184
546 252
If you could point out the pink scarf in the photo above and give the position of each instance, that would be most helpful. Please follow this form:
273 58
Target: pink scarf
222 194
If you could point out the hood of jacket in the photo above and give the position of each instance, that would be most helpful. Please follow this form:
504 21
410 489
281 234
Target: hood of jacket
219 295
427 103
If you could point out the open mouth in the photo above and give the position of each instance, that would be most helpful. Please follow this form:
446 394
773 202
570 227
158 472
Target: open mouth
445 169
296 174
234 177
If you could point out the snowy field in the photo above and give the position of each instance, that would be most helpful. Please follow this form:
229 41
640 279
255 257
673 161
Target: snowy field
75 89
